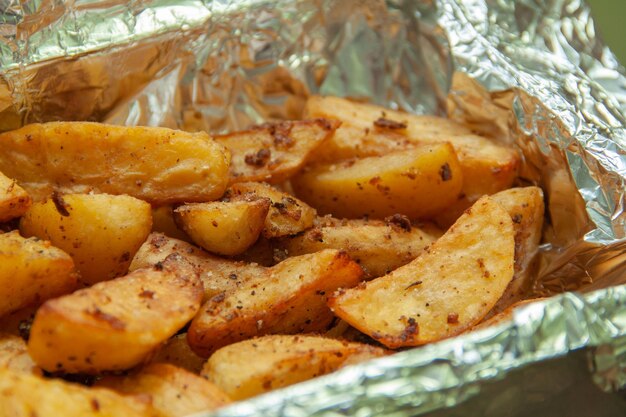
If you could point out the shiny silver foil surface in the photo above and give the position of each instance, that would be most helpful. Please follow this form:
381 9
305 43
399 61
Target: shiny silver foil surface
529 73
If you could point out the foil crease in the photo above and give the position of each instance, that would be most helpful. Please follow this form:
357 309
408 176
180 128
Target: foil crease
528 73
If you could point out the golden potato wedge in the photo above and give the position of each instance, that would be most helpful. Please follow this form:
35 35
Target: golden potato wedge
24 395
176 351
526 208
115 324
163 222
223 227
32 271
274 152
101 232
504 315
369 130
289 298
443 292
417 182
14 355
378 246
151 163
287 215
175 392
279 361
14 201
218 275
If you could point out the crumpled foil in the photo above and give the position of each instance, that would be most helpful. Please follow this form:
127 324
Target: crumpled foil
529 73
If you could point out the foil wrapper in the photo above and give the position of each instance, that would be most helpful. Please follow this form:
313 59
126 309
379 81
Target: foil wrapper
528 73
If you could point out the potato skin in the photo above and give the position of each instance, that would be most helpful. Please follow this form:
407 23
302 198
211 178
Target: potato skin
101 232
280 361
289 298
223 227
175 392
417 182
14 200
32 271
443 292
114 325
151 163
23 395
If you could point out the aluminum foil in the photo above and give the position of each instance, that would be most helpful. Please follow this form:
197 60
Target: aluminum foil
530 73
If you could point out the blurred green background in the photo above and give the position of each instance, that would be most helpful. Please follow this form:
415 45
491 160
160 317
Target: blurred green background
610 19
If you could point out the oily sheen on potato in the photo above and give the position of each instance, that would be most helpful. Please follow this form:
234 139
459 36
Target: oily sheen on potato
101 232
417 182
115 325
445 291
155 164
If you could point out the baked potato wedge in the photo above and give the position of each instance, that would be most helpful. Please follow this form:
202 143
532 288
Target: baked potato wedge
369 130
176 351
101 232
443 292
223 227
14 200
155 164
32 271
416 182
273 152
115 325
175 392
378 246
14 355
287 215
24 395
279 361
289 298
218 275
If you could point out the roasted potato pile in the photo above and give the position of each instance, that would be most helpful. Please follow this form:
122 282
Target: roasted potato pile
167 273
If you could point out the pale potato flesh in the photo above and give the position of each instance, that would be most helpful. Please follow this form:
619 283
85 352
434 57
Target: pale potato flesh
369 130
115 325
443 292
101 232
417 182
32 271
274 152
289 298
14 355
24 395
175 392
287 214
176 351
279 361
218 275
14 200
378 246
155 164
223 227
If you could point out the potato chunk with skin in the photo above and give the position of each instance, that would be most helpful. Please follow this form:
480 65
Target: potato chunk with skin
369 130
101 232
274 152
14 201
289 298
175 392
445 291
32 271
23 395
115 324
14 355
226 228
163 222
417 182
287 215
151 163
218 275
279 361
378 246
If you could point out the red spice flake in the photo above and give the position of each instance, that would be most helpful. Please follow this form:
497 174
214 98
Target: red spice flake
147 294
399 220
385 123
60 204
445 173
259 159
453 318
